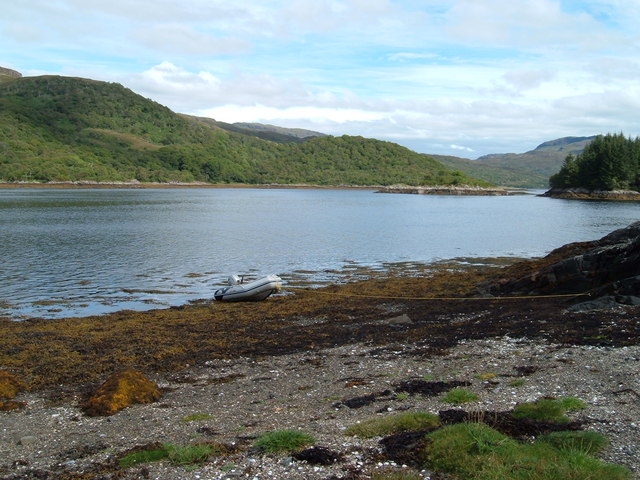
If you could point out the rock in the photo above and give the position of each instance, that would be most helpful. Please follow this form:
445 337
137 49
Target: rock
449 190
603 268
119 391
10 386
27 440
585 194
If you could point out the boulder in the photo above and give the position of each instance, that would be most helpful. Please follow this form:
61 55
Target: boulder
119 391
609 267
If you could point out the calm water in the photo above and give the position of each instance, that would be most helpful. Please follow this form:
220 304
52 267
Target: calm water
81 252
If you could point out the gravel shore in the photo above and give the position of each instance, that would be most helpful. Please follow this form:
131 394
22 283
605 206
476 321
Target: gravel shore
233 401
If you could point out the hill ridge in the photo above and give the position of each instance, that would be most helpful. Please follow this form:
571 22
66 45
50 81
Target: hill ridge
67 129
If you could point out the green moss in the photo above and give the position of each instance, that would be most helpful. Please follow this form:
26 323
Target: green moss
404 422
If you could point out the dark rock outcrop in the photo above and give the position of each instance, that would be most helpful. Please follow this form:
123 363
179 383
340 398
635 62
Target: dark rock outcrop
607 269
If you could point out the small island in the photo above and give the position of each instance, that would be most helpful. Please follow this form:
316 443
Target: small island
450 190
607 169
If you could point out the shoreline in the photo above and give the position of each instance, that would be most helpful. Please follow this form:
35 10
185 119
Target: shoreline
318 361
452 190
177 185
297 362
584 194
401 189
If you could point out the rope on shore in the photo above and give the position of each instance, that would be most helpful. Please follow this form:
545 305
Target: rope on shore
389 297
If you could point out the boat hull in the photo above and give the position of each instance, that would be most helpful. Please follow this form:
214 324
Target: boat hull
250 292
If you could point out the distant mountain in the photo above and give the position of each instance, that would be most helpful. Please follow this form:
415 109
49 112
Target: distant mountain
74 129
496 175
298 133
264 131
7 73
531 169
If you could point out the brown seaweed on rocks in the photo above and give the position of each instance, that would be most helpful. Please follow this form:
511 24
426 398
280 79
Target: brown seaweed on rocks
119 391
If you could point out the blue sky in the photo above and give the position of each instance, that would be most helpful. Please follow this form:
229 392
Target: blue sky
460 77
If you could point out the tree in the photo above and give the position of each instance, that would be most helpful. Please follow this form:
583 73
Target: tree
609 162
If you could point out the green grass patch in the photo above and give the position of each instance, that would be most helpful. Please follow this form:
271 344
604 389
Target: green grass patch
396 474
548 410
572 404
474 451
458 396
143 456
183 455
404 422
188 454
283 441
517 383
581 441
197 417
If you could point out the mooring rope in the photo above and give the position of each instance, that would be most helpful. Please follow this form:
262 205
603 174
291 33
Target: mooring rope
389 297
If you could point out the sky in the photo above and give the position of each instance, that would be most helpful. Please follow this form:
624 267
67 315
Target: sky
452 77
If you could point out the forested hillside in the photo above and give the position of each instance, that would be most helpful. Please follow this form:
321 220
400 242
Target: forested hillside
610 162
68 129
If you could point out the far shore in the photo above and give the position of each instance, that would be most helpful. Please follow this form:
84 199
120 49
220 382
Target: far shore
148 185
584 194
452 190
402 189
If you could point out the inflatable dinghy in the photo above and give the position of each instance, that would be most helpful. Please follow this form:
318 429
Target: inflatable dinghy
238 291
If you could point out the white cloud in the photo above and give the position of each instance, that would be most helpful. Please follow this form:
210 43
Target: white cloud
460 147
309 114
448 74
176 38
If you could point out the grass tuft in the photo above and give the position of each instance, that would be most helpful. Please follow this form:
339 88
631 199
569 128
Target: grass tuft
572 404
283 441
396 474
474 451
581 441
548 410
178 455
404 422
188 454
459 395
143 456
